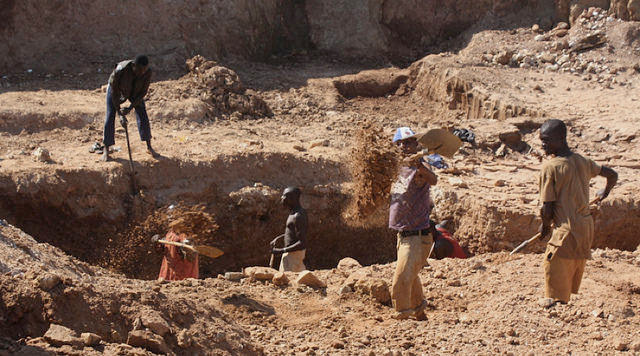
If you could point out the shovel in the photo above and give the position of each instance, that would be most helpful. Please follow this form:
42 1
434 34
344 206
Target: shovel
272 258
123 121
205 250
525 243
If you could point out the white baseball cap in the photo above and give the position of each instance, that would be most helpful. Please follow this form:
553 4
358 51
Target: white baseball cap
403 133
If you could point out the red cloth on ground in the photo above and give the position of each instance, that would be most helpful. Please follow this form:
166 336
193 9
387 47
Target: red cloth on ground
457 250
174 267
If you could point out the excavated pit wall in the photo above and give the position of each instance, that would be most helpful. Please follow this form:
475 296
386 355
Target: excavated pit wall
85 212
90 214
81 36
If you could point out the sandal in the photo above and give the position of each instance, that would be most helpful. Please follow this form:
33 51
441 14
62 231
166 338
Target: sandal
97 146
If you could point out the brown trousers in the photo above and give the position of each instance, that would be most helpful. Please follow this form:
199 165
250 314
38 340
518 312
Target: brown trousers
406 288
562 276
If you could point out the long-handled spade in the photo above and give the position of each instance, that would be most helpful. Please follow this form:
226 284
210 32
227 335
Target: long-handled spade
123 121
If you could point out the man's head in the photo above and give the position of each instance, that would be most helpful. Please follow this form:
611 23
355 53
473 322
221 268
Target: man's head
405 139
291 197
141 64
553 134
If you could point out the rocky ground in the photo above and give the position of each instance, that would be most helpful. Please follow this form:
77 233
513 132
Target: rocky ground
231 135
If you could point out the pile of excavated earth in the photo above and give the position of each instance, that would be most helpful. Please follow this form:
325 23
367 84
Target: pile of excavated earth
252 97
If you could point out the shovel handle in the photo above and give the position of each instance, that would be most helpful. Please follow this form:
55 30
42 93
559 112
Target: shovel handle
179 244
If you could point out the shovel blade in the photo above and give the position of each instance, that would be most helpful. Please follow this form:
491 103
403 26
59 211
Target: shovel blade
209 251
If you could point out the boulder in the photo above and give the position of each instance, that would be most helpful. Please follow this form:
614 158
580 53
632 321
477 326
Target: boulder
58 335
280 279
152 320
348 264
48 281
41 154
378 289
90 339
233 276
148 340
260 273
371 83
309 279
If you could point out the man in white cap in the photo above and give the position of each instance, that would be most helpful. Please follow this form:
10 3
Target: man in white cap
409 216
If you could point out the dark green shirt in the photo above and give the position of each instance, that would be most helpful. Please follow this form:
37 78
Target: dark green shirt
125 85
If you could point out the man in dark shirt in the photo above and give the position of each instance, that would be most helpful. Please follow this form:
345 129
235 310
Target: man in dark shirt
129 81
295 234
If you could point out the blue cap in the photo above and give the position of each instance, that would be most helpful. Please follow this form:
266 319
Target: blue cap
403 133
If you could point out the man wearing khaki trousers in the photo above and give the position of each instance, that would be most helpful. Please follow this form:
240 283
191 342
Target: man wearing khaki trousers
409 216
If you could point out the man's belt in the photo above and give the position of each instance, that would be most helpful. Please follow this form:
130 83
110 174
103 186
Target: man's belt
423 232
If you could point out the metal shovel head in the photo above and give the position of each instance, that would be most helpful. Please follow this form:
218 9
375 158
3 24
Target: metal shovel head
209 251
440 141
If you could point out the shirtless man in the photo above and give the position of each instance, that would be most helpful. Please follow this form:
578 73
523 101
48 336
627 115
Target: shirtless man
564 193
295 234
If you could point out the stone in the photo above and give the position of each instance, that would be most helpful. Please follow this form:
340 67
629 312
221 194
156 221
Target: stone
147 340
152 320
501 151
337 344
552 68
307 278
260 273
511 136
587 42
48 281
635 346
458 182
345 289
184 339
378 289
499 183
41 154
280 279
90 339
547 58
621 345
348 264
233 276
565 58
299 148
535 28
503 57
560 33
319 143
597 313
540 38
58 335
562 26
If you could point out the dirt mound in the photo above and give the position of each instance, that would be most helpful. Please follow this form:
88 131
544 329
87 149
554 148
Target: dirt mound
208 92
373 167
371 83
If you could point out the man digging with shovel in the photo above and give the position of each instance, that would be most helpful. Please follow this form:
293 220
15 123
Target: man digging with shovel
129 81
409 215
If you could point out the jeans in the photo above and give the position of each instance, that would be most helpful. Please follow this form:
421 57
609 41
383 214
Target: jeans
144 129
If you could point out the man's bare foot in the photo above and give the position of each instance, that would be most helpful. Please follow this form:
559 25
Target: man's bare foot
420 315
105 155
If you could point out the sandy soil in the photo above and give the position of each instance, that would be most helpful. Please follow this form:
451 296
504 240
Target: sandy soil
220 148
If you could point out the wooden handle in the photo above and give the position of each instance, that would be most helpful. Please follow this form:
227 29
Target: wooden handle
179 244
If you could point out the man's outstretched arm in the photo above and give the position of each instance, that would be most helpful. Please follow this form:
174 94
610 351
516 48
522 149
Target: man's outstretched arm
612 179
